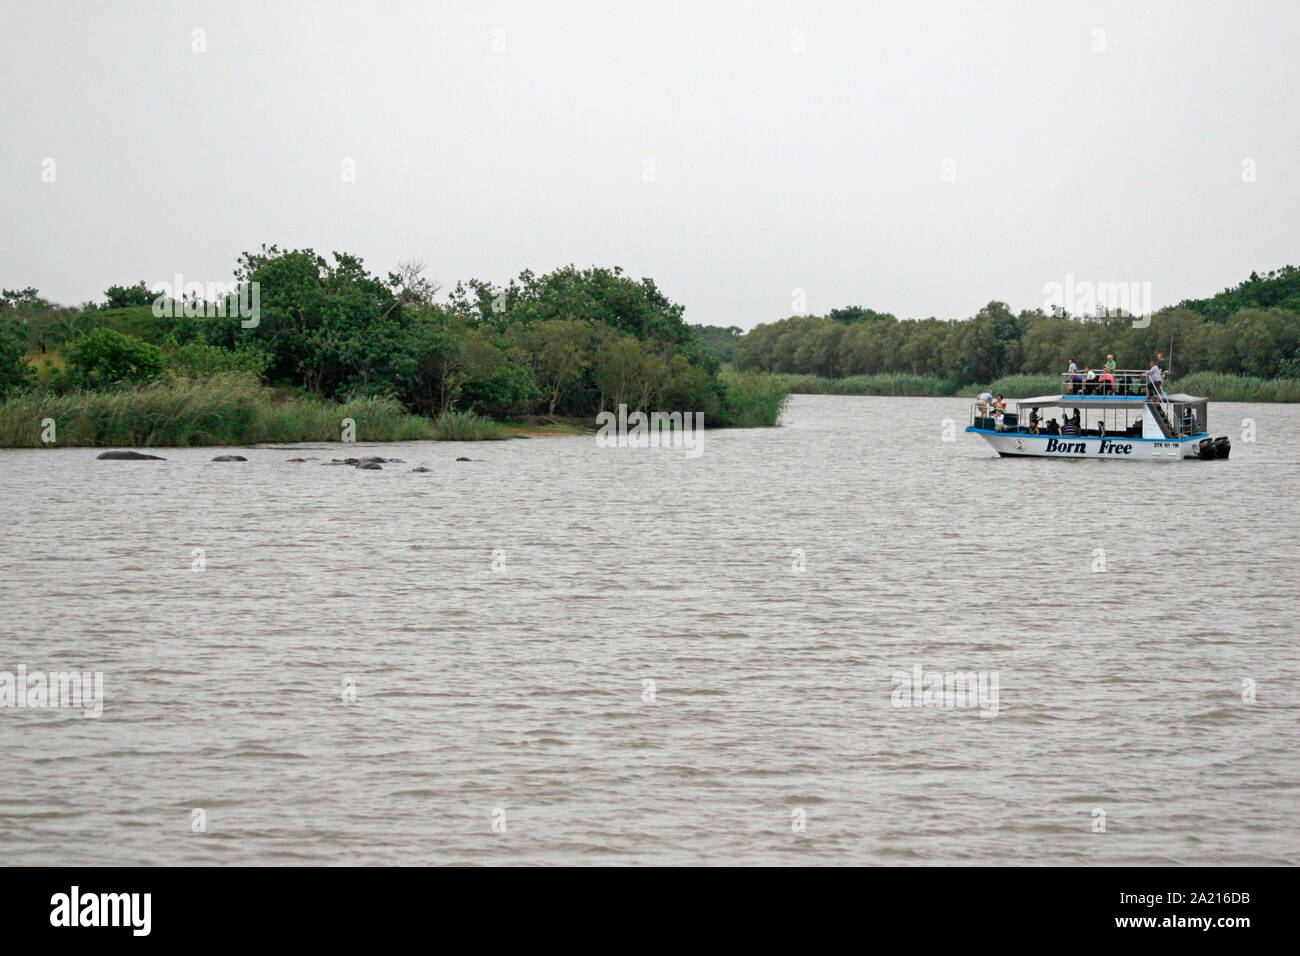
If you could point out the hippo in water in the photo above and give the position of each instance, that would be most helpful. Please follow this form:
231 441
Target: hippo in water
421 468
464 459
370 466
127 456
230 458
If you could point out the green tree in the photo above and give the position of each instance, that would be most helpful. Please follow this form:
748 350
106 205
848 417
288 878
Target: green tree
15 373
851 315
124 296
105 358
558 352
717 341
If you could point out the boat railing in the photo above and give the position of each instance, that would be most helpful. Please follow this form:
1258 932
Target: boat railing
1098 381
984 416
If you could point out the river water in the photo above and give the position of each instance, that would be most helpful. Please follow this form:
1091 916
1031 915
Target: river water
563 653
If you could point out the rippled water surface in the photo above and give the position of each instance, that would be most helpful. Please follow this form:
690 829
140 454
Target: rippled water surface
519 694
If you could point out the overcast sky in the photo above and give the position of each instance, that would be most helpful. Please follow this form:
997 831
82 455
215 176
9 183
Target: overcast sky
915 158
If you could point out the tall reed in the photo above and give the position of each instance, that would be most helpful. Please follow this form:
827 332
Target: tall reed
227 409
750 400
884 383
1222 387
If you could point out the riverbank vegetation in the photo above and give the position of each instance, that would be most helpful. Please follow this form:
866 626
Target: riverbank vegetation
226 409
1215 386
884 383
344 343
1240 345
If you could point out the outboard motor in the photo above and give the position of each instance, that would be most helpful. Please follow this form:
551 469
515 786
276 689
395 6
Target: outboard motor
1206 449
1222 447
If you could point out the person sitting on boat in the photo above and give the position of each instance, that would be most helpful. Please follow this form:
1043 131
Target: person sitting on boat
1107 381
1075 378
1190 424
999 422
1071 427
1089 380
1052 428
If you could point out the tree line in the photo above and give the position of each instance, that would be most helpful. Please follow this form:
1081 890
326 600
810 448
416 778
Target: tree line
1250 329
570 343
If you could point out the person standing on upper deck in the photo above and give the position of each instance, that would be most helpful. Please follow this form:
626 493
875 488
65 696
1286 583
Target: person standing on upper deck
1154 377
1110 364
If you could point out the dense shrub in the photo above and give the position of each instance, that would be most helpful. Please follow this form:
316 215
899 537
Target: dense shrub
105 358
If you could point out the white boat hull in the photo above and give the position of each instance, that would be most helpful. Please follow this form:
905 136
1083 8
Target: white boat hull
1083 446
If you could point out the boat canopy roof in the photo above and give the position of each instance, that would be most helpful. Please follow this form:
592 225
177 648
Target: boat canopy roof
1099 401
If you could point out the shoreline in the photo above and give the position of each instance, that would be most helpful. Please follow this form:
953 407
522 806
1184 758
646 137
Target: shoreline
510 431
234 409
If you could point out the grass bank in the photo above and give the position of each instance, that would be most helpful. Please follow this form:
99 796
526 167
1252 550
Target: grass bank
886 383
227 409
1238 388
1018 386
234 409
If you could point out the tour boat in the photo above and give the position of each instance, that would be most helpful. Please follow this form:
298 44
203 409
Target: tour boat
1128 418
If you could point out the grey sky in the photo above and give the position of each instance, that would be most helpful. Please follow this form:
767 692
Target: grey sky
794 145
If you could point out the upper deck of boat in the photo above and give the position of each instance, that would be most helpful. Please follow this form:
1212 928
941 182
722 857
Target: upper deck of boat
1124 387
